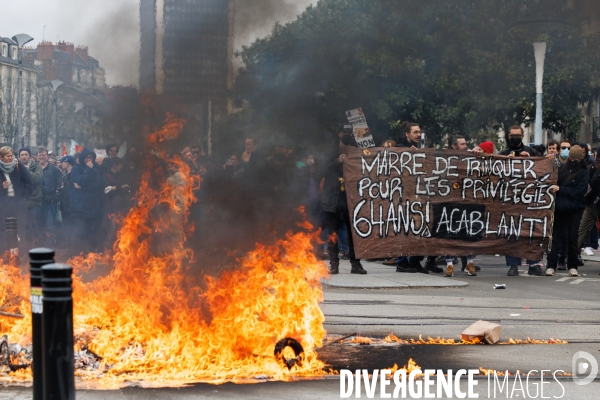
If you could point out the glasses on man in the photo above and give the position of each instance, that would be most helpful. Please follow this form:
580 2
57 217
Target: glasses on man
565 147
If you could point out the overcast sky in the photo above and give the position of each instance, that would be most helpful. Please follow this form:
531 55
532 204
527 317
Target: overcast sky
110 28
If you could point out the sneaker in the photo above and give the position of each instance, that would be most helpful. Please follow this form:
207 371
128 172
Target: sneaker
405 268
433 268
419 268
477 268
573 272
391 261
579 261
549 272
562 266
535 270
513 271
471 271
449 271
344 255
358 269
334 269
588 251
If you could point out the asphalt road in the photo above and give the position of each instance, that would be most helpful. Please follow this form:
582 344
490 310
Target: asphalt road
556 307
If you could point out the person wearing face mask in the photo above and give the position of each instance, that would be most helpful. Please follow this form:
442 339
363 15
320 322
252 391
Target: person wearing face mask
563 153
570 190
516 148
335 205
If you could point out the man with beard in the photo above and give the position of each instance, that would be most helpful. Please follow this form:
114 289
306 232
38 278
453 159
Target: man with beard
15 187
516 148
412 264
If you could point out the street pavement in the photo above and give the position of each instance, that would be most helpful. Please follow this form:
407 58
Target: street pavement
410 305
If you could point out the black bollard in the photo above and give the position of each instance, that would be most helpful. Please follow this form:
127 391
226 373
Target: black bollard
37 259
59 370
12 238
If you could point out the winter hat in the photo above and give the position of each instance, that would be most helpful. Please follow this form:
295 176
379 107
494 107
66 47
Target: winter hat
24 149
68 159
488 147
576 153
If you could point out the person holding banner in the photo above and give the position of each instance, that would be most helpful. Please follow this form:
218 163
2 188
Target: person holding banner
412 264
516 148
335 206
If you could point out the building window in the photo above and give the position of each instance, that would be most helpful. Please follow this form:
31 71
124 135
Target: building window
14 53
4 50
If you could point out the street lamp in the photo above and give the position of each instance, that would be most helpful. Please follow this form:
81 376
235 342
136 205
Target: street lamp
55 85
21 39
540 57
534 30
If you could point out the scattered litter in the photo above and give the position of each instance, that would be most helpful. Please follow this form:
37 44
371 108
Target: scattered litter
485 331
500 286
515 315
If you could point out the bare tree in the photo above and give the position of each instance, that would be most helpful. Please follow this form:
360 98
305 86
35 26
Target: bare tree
45 108
8 112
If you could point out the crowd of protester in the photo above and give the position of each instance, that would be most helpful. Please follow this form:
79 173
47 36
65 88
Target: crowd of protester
77 202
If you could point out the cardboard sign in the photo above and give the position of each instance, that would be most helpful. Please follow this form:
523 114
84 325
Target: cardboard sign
427 202
362 133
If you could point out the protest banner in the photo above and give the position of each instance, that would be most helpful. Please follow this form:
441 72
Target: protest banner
361 130
425 202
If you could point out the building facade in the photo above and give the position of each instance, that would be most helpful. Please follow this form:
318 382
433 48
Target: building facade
186 53
9 75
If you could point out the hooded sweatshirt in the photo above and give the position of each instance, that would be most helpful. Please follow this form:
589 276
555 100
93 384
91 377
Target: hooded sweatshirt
86 201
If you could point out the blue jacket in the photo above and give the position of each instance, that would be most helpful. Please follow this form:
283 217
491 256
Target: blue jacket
86 202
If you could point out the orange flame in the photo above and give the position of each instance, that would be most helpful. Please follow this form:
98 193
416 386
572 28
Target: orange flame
150 320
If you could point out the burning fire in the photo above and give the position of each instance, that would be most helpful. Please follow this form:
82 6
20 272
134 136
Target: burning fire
391 338
411 366
149 320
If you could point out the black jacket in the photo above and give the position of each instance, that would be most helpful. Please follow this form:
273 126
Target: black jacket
595 187
530 150
86 202
331 195
51 179
21 181
573 186
66 186
403 142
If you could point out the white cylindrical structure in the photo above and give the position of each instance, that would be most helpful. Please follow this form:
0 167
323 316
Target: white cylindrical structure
540 58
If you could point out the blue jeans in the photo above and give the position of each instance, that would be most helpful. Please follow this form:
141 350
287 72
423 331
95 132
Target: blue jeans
342 237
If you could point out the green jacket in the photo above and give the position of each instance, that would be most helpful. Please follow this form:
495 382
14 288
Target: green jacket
37 174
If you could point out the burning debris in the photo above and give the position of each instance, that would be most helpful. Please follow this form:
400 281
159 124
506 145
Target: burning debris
150 319
13 356
393 339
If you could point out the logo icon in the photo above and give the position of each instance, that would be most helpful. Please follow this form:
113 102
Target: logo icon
584 367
